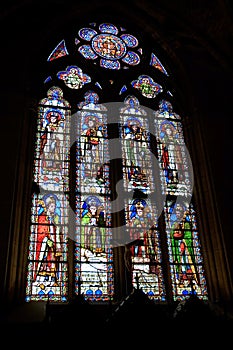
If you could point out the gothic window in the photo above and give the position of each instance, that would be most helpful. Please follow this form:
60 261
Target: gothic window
114 174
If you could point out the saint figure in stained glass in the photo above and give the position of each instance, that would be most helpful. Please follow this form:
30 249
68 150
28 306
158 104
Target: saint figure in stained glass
50 150
48 245
182 245
93 225
92 148
171 152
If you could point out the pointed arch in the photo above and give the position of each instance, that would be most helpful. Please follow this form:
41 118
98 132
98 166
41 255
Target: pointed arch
110 48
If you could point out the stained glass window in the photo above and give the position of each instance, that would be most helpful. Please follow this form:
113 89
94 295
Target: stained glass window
47 269
144 254
176 176
110 45
185 258
73 217
94 266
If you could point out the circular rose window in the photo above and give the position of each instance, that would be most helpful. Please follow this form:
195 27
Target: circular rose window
108 46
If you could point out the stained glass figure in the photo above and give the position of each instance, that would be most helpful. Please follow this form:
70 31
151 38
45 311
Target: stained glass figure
143 253
136 156
47 269
74 77
147 86
184 251
52 152
93 154
175 165
94 263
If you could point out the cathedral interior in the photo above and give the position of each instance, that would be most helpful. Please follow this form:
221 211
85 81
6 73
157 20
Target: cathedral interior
194 38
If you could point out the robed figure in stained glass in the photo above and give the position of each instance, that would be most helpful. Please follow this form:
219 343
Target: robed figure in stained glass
91 146
141 231
48 245
51 140
171 158
135 138
93 225
182 245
